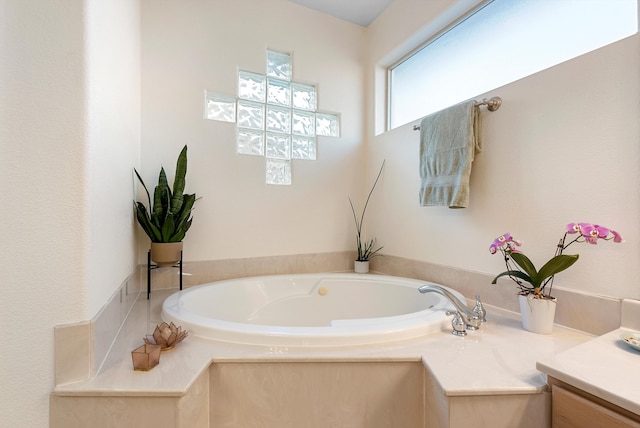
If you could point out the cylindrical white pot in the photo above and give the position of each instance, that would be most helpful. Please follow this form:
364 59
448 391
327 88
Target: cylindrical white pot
537 314
361 267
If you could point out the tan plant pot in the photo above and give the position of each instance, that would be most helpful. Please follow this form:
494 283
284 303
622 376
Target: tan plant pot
166 253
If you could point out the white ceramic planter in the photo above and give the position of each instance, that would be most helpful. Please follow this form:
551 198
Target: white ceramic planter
361 267
537 314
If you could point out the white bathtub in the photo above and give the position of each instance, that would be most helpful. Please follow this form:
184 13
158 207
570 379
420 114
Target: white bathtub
311 310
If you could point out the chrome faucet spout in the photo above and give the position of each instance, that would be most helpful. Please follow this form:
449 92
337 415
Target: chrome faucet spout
472 318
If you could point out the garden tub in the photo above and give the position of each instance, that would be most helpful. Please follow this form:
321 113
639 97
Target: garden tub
311 310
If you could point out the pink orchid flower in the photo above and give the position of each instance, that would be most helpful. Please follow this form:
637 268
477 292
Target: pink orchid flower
593 232
617 237
505 242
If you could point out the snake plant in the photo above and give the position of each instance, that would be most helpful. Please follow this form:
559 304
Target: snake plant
169 216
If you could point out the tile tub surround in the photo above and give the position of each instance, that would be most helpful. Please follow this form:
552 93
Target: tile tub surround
582 311
189 410
586 312
320 393
631 314
202 272
495 365
81 348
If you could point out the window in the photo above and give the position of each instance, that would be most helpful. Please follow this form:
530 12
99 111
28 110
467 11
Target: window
502 42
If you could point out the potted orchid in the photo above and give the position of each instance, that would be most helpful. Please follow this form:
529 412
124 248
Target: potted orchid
535 285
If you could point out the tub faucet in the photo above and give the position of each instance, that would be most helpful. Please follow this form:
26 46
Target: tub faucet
473 318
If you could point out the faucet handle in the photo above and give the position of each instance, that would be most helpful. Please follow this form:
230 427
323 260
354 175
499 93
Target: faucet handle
458 323
479 310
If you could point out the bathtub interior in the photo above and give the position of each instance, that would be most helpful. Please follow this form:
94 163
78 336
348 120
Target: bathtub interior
309 309
305 301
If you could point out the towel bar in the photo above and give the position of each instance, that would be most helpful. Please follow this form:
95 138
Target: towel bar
492 104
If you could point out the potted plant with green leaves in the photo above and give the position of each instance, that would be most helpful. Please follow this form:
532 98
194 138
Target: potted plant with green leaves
366 249
537 305
168 217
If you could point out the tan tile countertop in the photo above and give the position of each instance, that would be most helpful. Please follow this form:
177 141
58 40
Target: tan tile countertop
498 359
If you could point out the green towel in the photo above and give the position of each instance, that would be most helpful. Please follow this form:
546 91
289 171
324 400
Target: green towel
449 140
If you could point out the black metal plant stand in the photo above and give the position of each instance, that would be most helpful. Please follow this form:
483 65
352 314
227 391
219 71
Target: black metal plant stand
155 266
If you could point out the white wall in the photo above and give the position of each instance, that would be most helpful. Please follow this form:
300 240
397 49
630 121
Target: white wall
54 127
44 213
563 148
113 112
186 50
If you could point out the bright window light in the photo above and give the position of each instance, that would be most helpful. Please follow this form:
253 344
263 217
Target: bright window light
500 43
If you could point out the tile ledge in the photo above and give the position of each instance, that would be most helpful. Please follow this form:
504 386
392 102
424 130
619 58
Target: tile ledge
630 314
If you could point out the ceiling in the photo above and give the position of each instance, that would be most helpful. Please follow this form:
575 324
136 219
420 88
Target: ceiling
361 12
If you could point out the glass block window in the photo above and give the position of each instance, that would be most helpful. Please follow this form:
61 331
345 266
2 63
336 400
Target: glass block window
303 123
327 124
303 148
250 115
278 92
250 142
304 96
219 107
278 146
279 65
251 86
278 172
278 119
275 117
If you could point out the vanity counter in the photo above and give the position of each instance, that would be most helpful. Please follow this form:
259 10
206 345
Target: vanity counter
605 367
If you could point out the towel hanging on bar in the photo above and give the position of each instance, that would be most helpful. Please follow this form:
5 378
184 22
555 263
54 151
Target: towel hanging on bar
492 104
449 140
